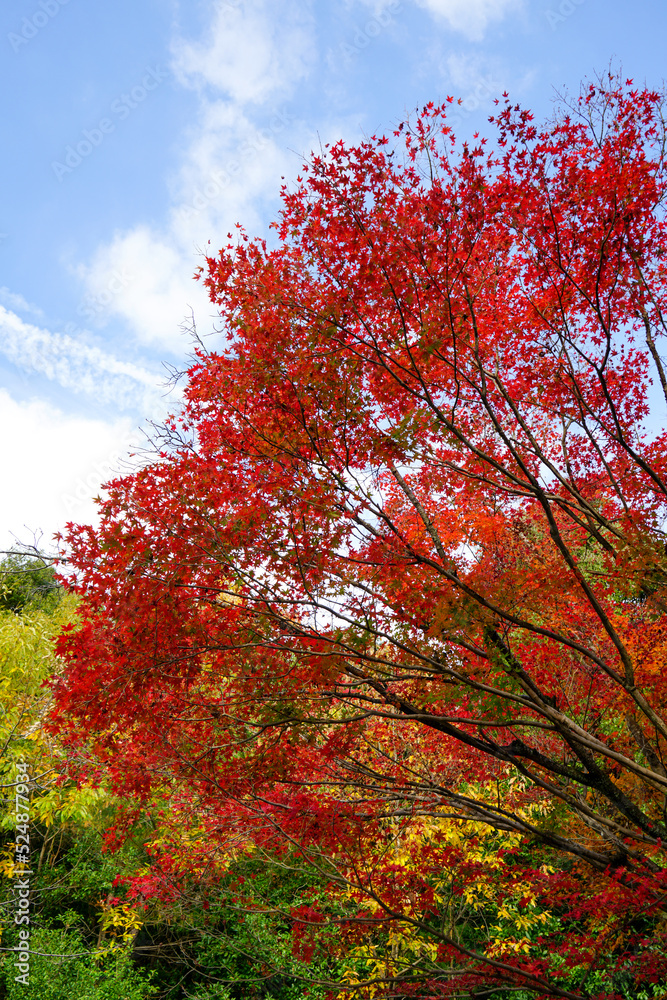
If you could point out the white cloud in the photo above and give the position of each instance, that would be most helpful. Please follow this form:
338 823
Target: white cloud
230 168
255 51
470 17
157 298
76 365
52 467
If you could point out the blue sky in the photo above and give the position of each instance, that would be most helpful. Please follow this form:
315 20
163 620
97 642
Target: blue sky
136 131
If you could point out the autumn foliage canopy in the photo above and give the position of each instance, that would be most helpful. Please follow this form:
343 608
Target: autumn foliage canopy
391 598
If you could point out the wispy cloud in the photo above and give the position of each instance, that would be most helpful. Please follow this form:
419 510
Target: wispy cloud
77 366
470 17
18 303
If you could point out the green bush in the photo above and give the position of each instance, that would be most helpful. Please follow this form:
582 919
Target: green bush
62 968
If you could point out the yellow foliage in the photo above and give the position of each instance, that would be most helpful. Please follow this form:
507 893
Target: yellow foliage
120 924
404 943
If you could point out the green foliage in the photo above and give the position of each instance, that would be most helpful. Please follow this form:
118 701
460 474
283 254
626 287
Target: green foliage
61 966
28 583
33 612
234 940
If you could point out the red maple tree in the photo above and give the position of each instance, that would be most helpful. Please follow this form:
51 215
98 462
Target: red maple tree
402 557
